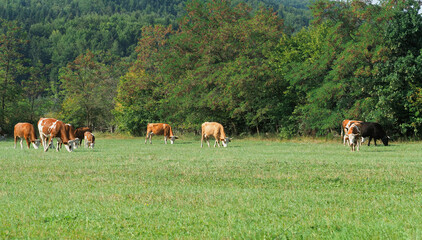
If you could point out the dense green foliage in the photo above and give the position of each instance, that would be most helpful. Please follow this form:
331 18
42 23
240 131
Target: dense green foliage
255 66
49 35
250 190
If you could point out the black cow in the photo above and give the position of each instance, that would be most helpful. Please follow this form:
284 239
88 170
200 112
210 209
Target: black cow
375 131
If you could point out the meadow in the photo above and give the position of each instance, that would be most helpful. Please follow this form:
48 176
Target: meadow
252 189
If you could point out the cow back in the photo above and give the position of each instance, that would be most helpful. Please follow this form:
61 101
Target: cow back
79 132
70 130
54 128
213 129
25 130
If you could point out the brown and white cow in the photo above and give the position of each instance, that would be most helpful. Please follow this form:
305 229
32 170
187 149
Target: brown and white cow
70 130
346 124
53 128
217 131
354 134
160 129
79 133
27 131
89 140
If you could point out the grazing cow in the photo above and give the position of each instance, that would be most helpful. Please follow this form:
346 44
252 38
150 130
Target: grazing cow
70 131
160 129
89 140
79 133
214 129
375 131
27 131
345 128
53 128
354 135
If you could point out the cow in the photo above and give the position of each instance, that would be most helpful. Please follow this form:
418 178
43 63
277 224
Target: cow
89 140
345 128
160 129
27 131
70 131
53 128
217 131
79 133
373 131
354 135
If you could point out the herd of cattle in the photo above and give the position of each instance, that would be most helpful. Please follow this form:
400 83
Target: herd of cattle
352 132
50 128
355 132
66 134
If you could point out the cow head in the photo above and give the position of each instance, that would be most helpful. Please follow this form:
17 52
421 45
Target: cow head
225 141
353 139
70 145
36 143
385 140
76 143
173 138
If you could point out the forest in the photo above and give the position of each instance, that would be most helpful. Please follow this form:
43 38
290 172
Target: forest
292 68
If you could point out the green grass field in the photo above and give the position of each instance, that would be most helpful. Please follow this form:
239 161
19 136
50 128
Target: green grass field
252 189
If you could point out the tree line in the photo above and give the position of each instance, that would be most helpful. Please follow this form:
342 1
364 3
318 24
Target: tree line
242 64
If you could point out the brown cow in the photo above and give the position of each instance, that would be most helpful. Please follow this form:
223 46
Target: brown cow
53 128
27 131
89 140
354 135
160 129
214 129
346 124
70 131
79 133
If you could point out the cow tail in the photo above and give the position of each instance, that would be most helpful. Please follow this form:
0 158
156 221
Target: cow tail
341 131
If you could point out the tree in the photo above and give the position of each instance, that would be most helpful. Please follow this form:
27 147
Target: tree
12 40
89 88
400 81
215 67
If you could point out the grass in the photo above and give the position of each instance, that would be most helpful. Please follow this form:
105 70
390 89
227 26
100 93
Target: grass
252 189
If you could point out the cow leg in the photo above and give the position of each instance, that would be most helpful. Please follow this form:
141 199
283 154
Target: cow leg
47 146
59 142
43 142
16 139
369 141
146 137
375 141
344 139
165 139
28 142
150 137
202 139
21 143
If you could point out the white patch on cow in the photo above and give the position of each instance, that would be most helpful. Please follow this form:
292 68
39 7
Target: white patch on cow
53 126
